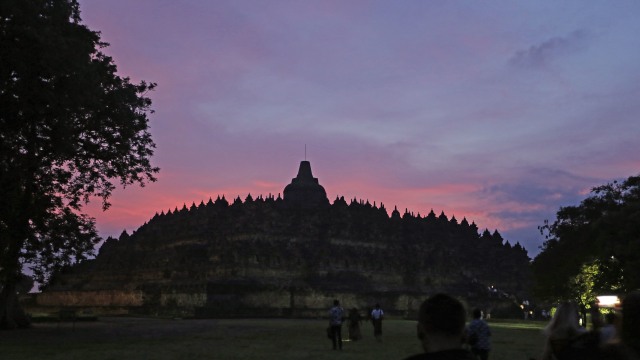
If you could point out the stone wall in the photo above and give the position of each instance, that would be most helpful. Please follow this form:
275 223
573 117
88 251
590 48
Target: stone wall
303 303
265 258
103 298
183 300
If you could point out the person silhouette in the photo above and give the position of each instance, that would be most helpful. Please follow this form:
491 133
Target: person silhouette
608 329
336 316
376 317
628 346
566 339
440 329
354 325
479 336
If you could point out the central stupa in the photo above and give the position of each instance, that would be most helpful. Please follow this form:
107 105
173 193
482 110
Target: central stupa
304 190
290 256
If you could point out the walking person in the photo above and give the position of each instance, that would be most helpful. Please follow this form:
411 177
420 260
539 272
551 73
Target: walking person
479 336
354 325
376 317
336 315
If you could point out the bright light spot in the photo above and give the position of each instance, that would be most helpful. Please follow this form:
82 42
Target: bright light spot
608 301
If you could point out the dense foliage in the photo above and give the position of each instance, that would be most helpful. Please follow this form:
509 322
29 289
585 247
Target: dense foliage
69 127
594 247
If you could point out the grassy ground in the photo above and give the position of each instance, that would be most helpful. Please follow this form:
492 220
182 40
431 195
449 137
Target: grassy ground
162 339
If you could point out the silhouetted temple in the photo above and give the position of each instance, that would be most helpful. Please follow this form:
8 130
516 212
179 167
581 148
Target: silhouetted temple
291 256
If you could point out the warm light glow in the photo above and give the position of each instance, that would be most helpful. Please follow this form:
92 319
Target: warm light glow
608 301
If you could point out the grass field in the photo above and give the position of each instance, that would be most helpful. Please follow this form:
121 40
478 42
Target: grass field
163 339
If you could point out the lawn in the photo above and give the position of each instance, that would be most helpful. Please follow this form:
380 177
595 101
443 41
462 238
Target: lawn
163 339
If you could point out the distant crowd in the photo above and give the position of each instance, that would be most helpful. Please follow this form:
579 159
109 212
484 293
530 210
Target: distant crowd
444 334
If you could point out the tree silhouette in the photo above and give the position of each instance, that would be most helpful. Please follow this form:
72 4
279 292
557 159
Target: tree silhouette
593 247
69 127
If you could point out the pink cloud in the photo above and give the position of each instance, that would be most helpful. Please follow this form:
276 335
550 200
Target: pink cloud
395 103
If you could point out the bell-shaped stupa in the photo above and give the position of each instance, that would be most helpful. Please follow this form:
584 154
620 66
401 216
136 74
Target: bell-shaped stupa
304 190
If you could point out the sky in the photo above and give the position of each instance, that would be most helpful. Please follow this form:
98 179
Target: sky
500 112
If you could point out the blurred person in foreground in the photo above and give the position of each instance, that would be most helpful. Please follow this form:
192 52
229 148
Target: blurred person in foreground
608 332
441 324
566 339
628 345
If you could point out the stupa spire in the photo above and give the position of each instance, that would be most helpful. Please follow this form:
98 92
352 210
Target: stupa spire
304 190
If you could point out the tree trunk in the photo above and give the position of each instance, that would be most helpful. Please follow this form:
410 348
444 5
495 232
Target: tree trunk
11 314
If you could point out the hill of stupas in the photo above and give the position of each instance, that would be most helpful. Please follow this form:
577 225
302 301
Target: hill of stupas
292 256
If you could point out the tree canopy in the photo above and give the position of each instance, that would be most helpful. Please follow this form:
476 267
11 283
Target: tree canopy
70 127
593 247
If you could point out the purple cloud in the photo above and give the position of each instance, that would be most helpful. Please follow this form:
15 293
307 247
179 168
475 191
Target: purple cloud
542 55
408 104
